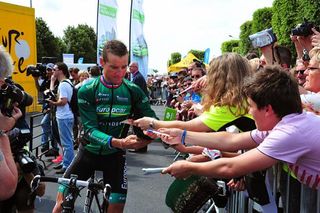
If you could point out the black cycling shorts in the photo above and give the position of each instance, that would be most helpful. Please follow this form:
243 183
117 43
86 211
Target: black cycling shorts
113 167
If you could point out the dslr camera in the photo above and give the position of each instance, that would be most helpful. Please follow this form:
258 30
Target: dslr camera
11 93
18 139
263 38
37 71
304 29
48 95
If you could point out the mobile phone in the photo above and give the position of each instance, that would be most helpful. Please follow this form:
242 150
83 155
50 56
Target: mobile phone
157 132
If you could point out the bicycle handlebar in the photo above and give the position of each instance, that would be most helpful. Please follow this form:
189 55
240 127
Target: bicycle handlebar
67 181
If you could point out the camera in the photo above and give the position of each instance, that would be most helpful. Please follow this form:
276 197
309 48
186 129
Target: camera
18 139
37 71
304 29
48 95
263 38
11 93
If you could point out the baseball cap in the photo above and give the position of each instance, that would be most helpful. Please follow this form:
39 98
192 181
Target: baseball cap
50 66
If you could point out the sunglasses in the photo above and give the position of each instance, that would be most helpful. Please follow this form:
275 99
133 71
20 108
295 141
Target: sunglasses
195 76
301 72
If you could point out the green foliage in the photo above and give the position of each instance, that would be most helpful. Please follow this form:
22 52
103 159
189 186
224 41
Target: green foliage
198 53
309 9
244 43
261 19
81 41
47 44
228 46
283 20
175 58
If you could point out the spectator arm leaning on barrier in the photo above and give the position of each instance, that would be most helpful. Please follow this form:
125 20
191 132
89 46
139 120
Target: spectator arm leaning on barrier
223 167
224 141
8 169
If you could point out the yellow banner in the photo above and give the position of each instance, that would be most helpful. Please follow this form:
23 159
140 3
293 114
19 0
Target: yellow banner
18 36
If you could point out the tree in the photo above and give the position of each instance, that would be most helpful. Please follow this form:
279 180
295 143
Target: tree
198 53
261 19
228 46
244 43
81 41
47 44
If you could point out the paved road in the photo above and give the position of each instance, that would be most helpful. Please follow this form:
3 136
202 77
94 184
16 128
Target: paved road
146 193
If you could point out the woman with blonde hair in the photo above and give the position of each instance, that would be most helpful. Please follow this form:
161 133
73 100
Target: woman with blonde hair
223 100
83 75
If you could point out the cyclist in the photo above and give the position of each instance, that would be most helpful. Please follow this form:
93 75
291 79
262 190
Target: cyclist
104 103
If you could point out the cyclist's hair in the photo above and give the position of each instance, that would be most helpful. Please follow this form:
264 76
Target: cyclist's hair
272 85
114 47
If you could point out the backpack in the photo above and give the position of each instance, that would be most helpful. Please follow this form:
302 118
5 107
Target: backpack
74 100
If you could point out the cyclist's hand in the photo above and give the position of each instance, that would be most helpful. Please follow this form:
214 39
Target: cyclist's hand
130 142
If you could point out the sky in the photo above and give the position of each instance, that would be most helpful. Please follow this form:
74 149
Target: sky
170 25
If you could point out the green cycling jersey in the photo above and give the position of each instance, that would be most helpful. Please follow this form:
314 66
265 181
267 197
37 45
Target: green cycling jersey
102 108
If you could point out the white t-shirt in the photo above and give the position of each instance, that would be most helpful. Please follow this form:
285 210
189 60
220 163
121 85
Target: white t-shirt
295 140
64 91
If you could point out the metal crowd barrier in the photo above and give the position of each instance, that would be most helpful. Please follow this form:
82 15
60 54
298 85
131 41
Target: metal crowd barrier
32 146
309 198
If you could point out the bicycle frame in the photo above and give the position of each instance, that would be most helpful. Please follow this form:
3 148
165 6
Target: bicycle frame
75 186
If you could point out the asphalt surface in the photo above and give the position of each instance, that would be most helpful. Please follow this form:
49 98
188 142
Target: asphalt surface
146 193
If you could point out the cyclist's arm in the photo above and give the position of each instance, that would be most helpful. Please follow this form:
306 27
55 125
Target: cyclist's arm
88 115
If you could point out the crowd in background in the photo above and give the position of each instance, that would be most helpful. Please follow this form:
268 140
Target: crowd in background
211 98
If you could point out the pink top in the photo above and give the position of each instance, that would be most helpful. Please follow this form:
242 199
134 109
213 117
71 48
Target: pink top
295 140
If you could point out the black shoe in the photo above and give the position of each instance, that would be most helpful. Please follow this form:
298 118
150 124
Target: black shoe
141 150
61 171
59 166
51 153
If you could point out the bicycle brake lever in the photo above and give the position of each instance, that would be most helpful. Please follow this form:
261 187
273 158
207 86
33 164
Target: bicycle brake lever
35 183
107 191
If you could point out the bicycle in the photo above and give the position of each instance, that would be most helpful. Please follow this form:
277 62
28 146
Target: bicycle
74 187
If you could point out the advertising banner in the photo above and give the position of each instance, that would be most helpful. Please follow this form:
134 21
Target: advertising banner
107 26
138 46
18 36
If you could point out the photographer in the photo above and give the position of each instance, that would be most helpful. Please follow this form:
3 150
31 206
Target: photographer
8 170
27 167
42 77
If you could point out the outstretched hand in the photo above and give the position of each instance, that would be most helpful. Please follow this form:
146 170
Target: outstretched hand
179 169
171 136
143 123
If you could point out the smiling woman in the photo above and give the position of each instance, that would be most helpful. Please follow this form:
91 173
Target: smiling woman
311 100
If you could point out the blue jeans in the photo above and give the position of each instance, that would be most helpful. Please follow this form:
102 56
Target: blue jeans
47 133
65 130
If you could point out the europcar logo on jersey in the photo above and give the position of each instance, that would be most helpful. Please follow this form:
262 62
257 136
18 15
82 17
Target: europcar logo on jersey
114 110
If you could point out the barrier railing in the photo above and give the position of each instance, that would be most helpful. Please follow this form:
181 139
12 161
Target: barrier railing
309 200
